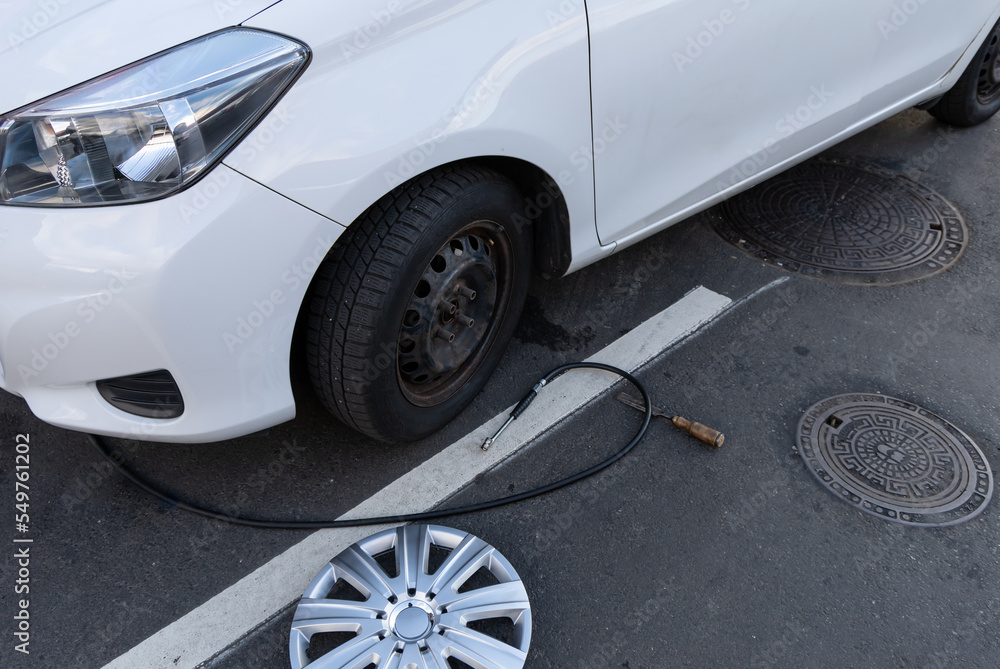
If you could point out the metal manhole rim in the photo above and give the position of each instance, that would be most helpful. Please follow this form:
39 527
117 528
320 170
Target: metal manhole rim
846 490
736 227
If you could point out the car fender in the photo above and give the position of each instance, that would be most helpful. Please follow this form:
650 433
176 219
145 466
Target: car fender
397 88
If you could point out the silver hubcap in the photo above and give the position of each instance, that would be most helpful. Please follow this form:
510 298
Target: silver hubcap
386 602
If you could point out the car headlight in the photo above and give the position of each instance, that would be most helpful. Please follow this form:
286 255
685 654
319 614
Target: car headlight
148 129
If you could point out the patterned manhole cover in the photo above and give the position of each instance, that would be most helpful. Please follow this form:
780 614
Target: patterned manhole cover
849 221
895 460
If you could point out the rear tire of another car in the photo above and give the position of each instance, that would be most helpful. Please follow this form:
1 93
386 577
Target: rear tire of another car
413 307
976 96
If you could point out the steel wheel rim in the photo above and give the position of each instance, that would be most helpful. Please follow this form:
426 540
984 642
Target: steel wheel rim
414 619
454 314
988 88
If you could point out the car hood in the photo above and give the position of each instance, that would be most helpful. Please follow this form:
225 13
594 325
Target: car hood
51 45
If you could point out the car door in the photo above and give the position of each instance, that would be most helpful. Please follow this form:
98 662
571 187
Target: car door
691 97
919 43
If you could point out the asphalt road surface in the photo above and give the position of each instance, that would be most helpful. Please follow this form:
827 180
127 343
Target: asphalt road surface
677 556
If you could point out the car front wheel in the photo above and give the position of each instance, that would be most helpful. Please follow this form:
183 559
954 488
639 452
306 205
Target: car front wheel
413 308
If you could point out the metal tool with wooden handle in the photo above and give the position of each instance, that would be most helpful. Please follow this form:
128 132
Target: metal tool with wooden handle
701 432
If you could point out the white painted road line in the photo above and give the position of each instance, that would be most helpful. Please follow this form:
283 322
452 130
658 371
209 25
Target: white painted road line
227 617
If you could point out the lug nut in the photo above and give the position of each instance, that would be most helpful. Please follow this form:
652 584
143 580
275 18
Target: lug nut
445 335
465 320
449 308
465 291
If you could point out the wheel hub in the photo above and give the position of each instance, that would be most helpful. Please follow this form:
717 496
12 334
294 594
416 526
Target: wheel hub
412 621
450 313
989 76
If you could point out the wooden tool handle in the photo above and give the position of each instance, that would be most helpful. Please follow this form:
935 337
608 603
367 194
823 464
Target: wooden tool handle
702 432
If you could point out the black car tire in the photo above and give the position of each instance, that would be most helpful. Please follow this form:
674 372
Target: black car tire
412 309
976 96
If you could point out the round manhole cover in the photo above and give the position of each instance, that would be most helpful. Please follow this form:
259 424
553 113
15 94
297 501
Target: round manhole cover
844 220
414 596
895 460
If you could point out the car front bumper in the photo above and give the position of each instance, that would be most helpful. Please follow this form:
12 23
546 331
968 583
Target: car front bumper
206 284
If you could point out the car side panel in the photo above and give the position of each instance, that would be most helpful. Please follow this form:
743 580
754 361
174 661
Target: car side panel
920 41
396 88
936 89
715 91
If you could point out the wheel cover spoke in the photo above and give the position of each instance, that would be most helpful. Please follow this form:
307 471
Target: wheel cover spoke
357 653
332 609
494 601
476 649
413 543
461 564
360 570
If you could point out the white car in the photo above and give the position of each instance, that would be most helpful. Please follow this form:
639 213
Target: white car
183 185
